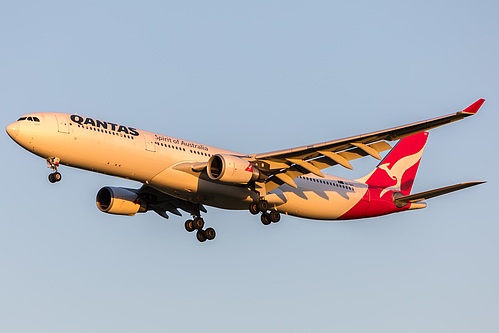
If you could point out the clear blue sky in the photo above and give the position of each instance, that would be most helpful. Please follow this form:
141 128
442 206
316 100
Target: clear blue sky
251 76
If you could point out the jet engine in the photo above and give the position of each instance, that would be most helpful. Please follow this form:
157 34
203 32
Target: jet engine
120 201
231 169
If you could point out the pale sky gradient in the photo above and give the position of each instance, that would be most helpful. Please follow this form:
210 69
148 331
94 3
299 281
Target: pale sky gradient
252 77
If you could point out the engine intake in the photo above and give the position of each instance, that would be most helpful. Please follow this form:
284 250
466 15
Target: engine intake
119 201
231 169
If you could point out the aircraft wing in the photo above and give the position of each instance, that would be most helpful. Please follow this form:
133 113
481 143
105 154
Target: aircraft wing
282 166
162 203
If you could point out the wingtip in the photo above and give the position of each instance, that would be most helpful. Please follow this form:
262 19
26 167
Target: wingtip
473 108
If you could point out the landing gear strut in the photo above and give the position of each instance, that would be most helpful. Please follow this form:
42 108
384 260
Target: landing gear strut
53 163
262 206
197 224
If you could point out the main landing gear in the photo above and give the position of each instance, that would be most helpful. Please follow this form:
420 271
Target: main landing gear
262 206
198 224
53 163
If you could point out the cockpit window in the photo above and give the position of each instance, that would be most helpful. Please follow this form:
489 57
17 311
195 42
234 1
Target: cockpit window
35 119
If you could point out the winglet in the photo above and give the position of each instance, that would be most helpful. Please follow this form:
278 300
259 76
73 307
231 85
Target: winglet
473 108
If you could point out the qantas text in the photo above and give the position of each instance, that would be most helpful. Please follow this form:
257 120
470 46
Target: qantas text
83 121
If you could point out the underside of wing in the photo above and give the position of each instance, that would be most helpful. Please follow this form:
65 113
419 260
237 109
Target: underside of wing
282 166
163 203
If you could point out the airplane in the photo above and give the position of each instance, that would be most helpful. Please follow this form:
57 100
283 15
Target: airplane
180 174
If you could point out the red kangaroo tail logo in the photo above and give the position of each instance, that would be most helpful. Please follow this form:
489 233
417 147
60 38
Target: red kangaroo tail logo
398 169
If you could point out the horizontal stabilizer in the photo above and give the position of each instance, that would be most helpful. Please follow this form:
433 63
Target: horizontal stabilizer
435 193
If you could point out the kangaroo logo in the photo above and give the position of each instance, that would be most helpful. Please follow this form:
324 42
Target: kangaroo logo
397 170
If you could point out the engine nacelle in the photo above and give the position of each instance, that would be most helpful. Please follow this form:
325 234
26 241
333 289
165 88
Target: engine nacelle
231 169
120 201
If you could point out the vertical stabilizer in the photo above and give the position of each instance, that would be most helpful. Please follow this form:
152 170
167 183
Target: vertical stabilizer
398 169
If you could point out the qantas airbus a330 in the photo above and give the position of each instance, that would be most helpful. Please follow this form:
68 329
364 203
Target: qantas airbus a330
179 174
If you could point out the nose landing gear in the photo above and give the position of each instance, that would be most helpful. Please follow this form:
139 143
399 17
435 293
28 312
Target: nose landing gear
262 206
55 177
53 163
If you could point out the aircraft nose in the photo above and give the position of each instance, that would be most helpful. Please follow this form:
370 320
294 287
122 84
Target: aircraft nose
13 130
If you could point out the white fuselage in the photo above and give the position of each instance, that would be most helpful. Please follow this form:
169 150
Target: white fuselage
166 162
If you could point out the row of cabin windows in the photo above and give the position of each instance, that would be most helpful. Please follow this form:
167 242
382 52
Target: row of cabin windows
105 131
35 119
183 149
325 182
200 153
169 146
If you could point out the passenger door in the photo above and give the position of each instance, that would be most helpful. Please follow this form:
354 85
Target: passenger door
150 143
62 123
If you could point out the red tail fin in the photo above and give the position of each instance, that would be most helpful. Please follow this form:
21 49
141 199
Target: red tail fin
398 169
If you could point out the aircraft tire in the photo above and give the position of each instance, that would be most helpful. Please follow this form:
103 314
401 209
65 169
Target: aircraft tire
200 235
189 225
210 233
265 218
253 208
263 205
274 216
57 176
198 223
